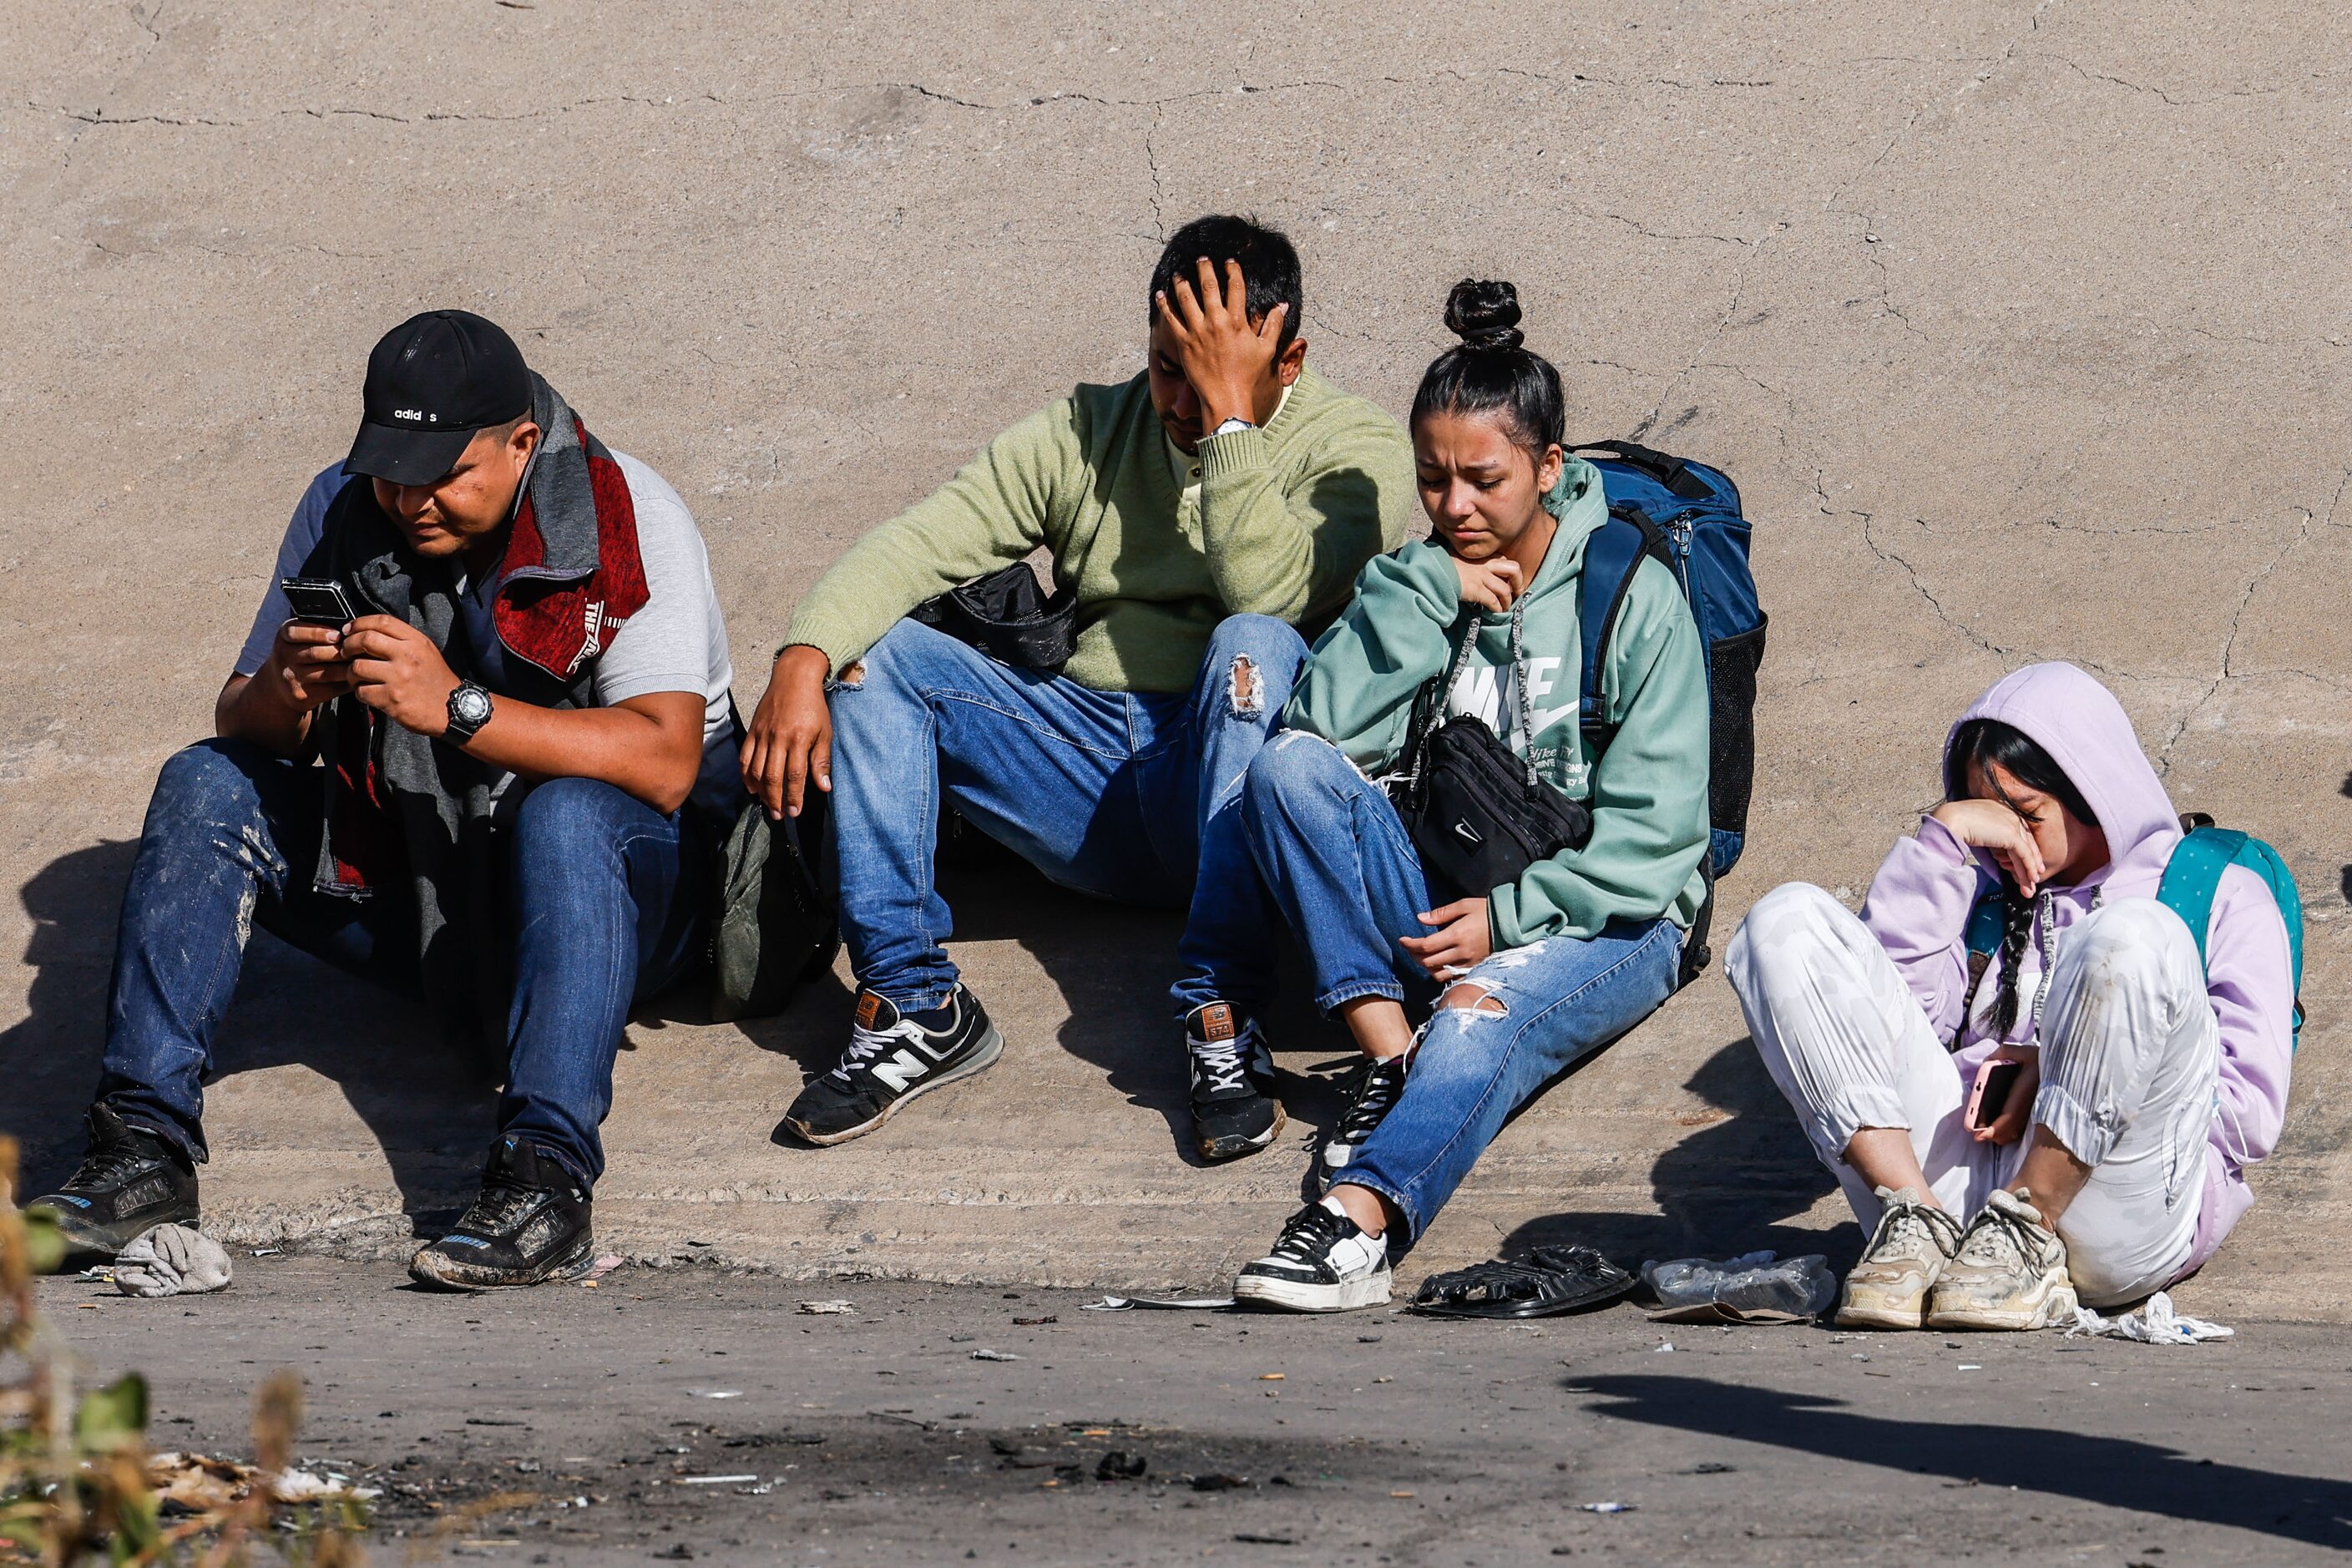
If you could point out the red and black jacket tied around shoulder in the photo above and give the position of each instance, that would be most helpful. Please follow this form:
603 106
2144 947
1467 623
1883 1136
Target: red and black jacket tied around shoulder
402 808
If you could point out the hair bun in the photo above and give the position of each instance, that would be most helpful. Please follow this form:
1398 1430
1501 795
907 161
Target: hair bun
1486 315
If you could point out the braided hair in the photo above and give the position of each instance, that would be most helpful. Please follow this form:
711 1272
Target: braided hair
1983 744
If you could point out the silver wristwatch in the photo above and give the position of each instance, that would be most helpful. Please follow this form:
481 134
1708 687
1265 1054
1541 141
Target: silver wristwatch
469 710
1232 425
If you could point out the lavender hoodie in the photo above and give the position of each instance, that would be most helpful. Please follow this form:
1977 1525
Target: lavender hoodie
1919 903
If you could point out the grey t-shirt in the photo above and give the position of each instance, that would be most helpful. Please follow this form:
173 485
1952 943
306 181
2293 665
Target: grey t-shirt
677 642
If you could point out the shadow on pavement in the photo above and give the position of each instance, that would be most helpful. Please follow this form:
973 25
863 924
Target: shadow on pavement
1722 1190
2114 1472
430 1108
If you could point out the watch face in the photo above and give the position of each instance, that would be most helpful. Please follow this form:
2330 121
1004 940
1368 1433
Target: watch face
472 704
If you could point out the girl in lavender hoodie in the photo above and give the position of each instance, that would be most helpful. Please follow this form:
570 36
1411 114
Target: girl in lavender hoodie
2147 1081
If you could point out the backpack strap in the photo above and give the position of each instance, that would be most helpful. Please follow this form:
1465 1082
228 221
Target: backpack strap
1986 920
1664 467
2193 875
1613 559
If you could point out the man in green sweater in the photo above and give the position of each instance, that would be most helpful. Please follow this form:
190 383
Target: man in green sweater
1200 514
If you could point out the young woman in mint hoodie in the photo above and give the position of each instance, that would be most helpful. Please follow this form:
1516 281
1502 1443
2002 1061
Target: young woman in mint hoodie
2148 1080
1527 977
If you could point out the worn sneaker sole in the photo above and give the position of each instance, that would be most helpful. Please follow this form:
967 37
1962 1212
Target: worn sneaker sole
2052 1307
85 1241
434 1269
1298 1296
983 1056
1863 1315
1216 1151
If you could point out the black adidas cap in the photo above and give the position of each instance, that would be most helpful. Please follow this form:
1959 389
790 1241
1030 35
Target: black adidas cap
432 382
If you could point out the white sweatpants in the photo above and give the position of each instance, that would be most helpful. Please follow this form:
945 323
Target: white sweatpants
2130 1055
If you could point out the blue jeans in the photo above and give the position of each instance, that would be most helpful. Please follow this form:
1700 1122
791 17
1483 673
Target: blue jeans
607 899
1337 860
1126 796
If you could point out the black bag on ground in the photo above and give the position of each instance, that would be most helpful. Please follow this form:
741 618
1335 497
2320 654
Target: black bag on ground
773 924
1009 617
1479 813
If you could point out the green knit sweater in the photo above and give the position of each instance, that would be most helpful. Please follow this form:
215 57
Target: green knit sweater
1285 518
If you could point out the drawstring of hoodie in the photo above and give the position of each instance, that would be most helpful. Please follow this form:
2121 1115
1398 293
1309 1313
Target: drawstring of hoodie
2045 927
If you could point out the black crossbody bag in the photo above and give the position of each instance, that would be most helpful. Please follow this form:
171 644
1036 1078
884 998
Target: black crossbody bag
1477 813
1009 617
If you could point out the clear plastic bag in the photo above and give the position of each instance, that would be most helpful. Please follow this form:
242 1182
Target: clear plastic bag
1757 1287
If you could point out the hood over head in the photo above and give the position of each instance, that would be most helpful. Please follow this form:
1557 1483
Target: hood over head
2079 722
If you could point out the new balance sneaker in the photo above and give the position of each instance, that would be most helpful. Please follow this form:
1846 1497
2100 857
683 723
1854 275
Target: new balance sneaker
1321 1263
128 1182
893 1057
530 1223
1234 1111
2008 1272
1379 1084
1909 1250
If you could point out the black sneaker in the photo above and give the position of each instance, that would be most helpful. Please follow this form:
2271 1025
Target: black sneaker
529 1224
129 1181
893 1057
1234 1111
1323 1263
1379 1084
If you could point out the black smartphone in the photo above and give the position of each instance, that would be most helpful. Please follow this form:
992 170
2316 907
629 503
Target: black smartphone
319 601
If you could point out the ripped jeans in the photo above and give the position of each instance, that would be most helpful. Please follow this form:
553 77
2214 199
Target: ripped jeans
1335 858
2130 1053
1130 797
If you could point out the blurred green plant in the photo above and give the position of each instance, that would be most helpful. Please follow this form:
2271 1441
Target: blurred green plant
76 1486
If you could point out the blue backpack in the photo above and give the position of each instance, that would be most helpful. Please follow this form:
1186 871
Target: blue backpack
1688 515
2191 879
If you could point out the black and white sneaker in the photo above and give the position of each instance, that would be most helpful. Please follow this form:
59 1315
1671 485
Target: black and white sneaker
128 1182
530 1223
1323 1263
893 1057
1379 1085
1234 1111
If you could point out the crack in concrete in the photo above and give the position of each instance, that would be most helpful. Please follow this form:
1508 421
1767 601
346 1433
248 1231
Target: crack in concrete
2298 85
1723 325
1151 157
936 95
2237 618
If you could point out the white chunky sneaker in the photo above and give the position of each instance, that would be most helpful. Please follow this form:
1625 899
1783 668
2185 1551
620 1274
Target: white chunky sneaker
2008 1272
1322 1263
1912 1247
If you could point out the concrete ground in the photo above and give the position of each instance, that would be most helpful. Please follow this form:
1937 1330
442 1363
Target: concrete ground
2025 325
688 1414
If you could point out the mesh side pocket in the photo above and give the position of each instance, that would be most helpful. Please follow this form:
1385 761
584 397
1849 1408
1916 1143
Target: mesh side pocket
1731 715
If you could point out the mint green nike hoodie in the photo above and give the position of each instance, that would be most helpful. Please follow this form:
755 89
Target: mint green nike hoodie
1648 792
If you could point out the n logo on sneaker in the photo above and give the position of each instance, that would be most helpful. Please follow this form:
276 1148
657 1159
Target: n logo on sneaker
900 1070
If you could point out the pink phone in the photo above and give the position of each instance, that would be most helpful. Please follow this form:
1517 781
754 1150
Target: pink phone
1990 1098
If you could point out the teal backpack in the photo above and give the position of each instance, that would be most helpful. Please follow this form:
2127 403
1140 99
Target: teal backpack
2191 879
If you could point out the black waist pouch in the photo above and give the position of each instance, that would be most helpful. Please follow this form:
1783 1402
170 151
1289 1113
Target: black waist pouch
1477 817
1009 617
1479 813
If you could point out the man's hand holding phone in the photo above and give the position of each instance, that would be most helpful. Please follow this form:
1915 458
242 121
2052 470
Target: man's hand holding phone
307 669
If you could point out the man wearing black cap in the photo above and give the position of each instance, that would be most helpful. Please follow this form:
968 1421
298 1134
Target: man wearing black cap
476 748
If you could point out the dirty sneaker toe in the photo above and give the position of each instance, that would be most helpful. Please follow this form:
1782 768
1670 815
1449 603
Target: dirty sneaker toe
1909 1251
1321 1263
129 1181
1234 1111
529 1224
2008 1272
893 1057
